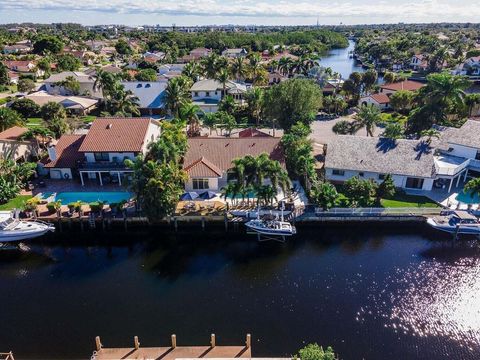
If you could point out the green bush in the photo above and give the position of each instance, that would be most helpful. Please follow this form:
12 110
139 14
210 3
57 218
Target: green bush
54 206
75 206
96 206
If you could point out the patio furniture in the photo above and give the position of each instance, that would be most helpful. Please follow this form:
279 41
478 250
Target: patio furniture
191 195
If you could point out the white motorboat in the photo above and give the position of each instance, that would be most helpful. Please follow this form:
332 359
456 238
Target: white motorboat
456 222
12 229
271 227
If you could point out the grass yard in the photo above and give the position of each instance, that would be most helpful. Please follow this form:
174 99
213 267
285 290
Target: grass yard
403 200
35 122
15 203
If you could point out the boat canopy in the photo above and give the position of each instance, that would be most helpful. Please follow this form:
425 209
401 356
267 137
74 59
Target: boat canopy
464 215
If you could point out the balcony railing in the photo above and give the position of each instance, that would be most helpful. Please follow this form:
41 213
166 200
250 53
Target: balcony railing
114 166
474 163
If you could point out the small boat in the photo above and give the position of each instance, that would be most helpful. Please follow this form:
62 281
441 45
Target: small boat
456 222
12 229
271 227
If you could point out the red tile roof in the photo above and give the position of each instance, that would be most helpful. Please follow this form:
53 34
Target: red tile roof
13 133
251 132
67 152
116 135
210 156
380 98
403 85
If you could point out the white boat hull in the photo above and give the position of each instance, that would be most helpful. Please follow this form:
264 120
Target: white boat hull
464 229
269 231
29 230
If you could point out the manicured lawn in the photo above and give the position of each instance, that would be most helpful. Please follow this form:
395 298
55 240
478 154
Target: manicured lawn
402 200
16 202
34 121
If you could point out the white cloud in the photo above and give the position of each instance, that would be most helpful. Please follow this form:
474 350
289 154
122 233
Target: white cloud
403 9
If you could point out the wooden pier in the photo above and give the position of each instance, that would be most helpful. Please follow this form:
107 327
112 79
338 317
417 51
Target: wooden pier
173 351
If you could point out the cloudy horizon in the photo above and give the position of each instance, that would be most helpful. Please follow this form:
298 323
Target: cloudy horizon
239 12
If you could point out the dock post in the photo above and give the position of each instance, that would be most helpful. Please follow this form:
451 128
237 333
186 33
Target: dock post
248 343
225 219
125 226
136 343
175 223
81 225
212 340
174 341
98 343
203 223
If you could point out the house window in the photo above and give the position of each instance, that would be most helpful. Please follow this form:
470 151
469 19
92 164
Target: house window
338 172
200 184
101 156
477 156
414 183
361 174
207 93
139 86
195 93
450 149
381 176
147 86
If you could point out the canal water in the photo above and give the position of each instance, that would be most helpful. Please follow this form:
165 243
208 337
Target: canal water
370 292
340 61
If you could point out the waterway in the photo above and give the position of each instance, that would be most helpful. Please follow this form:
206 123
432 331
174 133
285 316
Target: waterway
339 60
371 292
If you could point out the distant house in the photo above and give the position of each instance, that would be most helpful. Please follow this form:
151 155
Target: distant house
410 162
151 95
407 85
196 54
208 160
13 77
11 146
332 85
470 67
77 105
112 69
23 67
86 84
276 77
208 93
235 53
153 57
382 101
100 154
16 49
418 62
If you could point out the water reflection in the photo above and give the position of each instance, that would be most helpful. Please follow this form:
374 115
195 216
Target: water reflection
438 297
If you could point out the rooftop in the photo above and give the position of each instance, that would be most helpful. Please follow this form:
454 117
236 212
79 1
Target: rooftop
381 155
467 135
116 135
67 151
13 133
408 85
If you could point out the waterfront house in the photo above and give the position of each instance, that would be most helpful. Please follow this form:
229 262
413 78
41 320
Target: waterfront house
235 53
407 85
51 85
207 94
100 154
470 67
410 162
382 101
208 160
75 105
151 95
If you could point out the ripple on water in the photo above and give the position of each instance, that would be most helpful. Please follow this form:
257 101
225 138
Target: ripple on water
431 299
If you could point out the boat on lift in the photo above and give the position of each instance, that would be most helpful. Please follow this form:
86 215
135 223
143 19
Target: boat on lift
275 227
456 222
12 229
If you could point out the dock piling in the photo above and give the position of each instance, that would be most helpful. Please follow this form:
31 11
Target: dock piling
174 341
98 343
212 340
203 223
136 343
248 343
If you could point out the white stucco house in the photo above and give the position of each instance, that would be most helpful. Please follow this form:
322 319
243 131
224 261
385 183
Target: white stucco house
51 85
100 154
382 101
207 94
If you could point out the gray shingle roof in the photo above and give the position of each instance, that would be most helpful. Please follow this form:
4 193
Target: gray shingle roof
380 155
467 135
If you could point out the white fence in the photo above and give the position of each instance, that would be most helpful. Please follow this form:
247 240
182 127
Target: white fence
377 211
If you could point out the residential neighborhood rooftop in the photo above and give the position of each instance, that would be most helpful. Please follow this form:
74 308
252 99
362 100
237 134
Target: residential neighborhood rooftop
381 155
467 135
408 85
13 133
67 152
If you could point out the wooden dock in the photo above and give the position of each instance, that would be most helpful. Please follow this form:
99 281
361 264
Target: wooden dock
172 352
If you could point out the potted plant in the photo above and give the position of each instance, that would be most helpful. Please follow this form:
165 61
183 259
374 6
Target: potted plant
31 205
96 206
54 206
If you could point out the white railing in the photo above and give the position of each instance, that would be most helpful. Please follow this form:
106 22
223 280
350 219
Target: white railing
441 170
475 163
377 211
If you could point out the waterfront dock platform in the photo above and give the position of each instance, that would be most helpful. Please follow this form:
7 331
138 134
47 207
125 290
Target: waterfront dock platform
173 352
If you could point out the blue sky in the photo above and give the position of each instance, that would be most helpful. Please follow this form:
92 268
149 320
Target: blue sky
267 12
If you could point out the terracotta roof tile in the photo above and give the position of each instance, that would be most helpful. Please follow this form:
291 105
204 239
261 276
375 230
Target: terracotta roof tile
203 168
403 85
68 153
220 152
13 133
380 98
251 132
116 135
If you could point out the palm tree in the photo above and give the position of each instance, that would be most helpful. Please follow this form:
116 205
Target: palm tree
123 102
430 134
285 65
192 70
238 68
471 100
255 99
9 118
254 65
228 104
210 65
473 187
189 113
368 117
104 82
39 134
177 93
222 77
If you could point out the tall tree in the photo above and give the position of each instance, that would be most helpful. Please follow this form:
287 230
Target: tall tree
368 116
9 118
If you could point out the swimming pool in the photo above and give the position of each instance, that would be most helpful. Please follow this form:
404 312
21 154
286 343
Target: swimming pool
88 197
467 198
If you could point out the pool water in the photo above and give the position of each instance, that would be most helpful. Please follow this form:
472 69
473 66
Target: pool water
467 198
107 197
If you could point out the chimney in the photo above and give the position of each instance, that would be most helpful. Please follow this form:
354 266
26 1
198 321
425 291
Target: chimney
52 152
